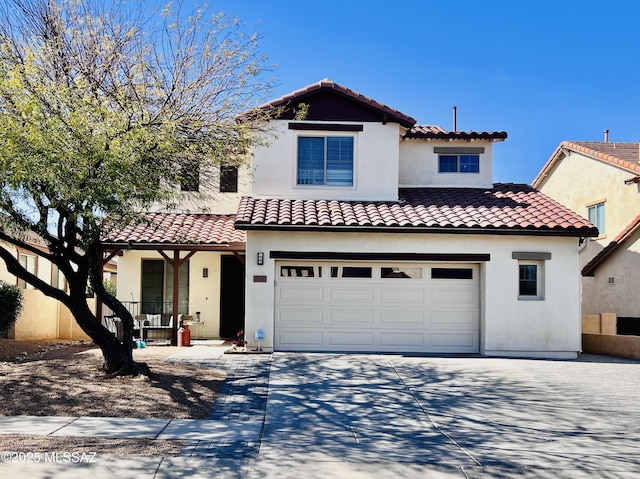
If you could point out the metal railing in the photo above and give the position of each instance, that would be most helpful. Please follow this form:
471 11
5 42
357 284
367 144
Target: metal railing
137 308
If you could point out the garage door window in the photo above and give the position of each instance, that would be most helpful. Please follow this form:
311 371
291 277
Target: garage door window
301 271
394 272
451 273
351 272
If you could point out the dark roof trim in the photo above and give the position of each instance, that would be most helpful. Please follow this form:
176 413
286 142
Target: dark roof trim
417 229
174 246
459 150
312 255
325 127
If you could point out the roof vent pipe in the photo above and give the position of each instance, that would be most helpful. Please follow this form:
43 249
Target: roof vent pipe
606 136
455 119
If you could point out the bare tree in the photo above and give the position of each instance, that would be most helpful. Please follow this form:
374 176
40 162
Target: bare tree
101 104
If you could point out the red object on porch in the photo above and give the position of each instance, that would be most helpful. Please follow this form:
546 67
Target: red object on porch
184 336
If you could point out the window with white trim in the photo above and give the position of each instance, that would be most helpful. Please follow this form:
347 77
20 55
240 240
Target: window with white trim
596 216
530 279
325 160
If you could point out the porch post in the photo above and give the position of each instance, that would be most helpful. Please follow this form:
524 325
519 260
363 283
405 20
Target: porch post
176 295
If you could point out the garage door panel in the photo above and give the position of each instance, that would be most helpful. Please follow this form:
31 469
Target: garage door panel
454 339
392 318
402 340
342 318
308 292
468 318
453 295
299 316
351 340
404 295
350 294
300 339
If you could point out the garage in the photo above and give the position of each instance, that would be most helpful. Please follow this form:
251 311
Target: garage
377 306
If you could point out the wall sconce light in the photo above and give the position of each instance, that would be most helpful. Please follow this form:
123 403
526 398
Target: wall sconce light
260 259
205 272
198 316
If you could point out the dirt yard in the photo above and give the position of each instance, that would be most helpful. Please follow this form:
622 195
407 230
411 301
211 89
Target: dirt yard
42 378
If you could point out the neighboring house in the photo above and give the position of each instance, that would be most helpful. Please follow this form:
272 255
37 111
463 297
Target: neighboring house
43 317
601 181
367 232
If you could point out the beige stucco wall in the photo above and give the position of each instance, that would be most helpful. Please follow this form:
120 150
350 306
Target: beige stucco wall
419 165
549 328
578 181
375 165
204 293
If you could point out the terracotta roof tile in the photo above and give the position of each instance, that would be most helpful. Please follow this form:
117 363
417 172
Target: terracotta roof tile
625 155
437 133
505 207
170 228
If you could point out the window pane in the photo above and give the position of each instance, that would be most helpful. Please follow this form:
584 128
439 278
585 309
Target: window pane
229 179
310 160
190 175
596 216
448 164
356 272
469 163
451 273
528 280
400 272
340 161
299 271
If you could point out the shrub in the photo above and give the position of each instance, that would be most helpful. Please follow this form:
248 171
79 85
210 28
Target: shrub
10 305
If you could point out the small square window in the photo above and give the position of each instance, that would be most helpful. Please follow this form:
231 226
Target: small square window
459 164
530 282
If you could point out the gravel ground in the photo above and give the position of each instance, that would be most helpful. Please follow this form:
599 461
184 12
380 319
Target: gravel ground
56 378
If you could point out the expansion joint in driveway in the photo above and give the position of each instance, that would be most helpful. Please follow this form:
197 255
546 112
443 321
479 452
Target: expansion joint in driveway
430 419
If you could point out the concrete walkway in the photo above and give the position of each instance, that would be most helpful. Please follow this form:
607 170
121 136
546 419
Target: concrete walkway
383 416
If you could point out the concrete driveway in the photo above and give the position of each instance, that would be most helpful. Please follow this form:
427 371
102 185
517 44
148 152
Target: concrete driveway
453 417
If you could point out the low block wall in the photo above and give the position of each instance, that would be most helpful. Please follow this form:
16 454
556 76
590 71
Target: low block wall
623 346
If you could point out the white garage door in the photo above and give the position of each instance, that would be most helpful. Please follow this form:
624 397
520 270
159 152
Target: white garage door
389 307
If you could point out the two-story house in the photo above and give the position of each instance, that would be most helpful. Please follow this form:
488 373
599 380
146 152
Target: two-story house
367 232
358 230
601 181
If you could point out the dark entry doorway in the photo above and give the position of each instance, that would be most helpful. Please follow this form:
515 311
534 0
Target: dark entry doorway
231 297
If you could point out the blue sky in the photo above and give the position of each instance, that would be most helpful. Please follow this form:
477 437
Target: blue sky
544 71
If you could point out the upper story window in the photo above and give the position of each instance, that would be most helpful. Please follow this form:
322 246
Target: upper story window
28 262
458 163
596 216
228 179
325 160
190 176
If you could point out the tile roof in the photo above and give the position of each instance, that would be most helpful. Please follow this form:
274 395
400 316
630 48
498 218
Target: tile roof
507 208
437 133
624 155
180 228
590 268
327 84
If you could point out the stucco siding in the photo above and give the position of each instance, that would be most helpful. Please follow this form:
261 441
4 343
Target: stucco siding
508 325
375 165
419 166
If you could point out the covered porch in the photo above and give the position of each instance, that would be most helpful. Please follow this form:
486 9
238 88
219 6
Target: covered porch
188 264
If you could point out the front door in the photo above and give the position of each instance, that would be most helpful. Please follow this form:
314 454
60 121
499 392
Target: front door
231 297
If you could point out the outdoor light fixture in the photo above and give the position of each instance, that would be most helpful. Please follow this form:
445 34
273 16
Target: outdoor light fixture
260 259
205 272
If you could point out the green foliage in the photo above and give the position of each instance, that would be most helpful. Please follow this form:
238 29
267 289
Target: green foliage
110 286
10 305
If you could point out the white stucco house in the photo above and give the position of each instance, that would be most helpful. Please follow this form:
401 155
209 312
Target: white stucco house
601 181
367 232
358 230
